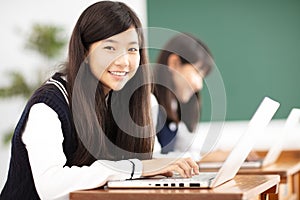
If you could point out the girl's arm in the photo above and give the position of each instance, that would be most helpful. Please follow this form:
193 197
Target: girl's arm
43 138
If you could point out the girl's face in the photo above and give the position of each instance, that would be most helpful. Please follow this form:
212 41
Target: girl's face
187 78
115 60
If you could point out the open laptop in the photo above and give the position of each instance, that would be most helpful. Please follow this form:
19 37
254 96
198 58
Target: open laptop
274 151
260 120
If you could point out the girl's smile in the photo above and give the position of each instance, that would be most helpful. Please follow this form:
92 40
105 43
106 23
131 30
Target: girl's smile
118 73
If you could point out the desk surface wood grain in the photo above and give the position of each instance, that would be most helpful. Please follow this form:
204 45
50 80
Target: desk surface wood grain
241 187
287 164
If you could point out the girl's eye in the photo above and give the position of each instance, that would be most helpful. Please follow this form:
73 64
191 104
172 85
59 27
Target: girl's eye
109 48
133 50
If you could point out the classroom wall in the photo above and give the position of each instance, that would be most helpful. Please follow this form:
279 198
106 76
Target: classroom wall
255 45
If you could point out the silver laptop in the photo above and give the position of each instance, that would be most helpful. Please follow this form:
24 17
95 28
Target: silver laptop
260 120
274 151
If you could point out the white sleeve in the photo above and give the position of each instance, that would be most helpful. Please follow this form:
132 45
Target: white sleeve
154 109
154 112
43 139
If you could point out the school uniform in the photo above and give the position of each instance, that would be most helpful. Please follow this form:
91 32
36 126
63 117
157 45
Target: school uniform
42 145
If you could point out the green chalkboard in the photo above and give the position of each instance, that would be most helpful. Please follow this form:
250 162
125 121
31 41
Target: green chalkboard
256 46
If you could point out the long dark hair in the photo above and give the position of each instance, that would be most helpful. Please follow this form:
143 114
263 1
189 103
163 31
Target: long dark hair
99 135
190 50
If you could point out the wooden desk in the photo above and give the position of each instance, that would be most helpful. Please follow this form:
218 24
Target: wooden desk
289 171
287 166
242 187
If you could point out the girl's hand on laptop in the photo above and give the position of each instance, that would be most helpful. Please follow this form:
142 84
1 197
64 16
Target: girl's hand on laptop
186 167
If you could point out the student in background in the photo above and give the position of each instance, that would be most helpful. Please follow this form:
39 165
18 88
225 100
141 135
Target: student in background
76 131
181 67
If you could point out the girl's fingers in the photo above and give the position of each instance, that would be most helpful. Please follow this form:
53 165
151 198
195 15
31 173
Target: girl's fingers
189 166
178 169
185 167
193 165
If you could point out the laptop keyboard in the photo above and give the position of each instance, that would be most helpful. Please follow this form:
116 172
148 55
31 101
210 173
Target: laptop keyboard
200 177
204 176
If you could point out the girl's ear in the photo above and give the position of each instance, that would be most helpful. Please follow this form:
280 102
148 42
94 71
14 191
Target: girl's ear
174 61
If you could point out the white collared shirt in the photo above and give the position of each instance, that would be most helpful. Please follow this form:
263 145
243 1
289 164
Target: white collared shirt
43 139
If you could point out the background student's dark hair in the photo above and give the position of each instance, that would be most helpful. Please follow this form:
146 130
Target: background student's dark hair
100 21
190 50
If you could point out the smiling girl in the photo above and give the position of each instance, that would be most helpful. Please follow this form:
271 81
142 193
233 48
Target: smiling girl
92 121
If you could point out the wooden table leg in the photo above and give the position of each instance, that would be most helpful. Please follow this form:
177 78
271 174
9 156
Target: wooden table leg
296 180
290 184
293 182
272 193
